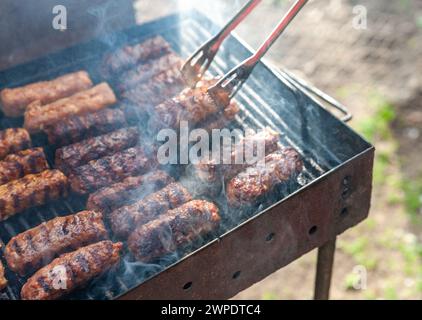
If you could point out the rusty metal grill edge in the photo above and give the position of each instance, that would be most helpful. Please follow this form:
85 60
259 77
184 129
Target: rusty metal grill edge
335 197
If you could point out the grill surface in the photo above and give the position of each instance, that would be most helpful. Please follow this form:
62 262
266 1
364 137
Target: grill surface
324 142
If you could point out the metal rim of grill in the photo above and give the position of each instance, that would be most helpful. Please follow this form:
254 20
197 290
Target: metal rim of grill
266 99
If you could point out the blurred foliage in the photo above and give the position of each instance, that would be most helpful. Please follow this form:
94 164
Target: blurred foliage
390 293
378 126
377 129
358 250
413 196
419 21
351 280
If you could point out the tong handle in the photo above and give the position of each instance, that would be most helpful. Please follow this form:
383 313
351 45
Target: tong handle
218 39
232 81
275 34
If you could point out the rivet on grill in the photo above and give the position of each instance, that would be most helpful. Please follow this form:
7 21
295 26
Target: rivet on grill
236 274
345 192
346 180
270 237
313 230
187 285
346 187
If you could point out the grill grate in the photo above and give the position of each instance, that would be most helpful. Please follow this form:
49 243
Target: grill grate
264 101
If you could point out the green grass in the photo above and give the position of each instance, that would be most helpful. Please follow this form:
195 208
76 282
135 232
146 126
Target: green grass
377 127
359 250
419 21
419 284
390 293
370 224
410 253
412 196
355 247
370 295
269 296
351 280
381 164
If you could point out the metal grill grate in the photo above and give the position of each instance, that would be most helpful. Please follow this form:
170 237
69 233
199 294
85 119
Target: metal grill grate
264 100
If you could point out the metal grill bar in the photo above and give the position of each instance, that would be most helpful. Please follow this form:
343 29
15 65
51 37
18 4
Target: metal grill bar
257 103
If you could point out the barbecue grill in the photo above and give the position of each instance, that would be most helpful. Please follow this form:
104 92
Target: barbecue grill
332 194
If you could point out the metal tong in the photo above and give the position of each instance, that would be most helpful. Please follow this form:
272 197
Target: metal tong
231 82
197 64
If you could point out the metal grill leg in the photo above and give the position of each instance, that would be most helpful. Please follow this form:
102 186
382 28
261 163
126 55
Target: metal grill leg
324 270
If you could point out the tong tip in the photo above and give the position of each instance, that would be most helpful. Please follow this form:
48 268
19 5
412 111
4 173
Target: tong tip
219 95
190 75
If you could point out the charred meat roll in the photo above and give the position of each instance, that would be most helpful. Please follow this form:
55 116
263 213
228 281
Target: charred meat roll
125 219
36 247
210 174
77 128
38 116
77 154
159 88
128 191
129 56
31 190
24 162
250 185
111 169
192 105
144 72
71 271
173 230
3 280
16 100
13 140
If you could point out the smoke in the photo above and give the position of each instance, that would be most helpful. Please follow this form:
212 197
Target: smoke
130 272
101 14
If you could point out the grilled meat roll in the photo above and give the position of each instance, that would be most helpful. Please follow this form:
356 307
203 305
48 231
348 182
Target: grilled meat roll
71 271
13 140
15 166
77 154
221 120
210 174
128 191
240 153
173 230
3 280
111 169
31 190
144 72
159 88
77 128
129 56
38 116
192 105
249 185
16 100
36 247
125 219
